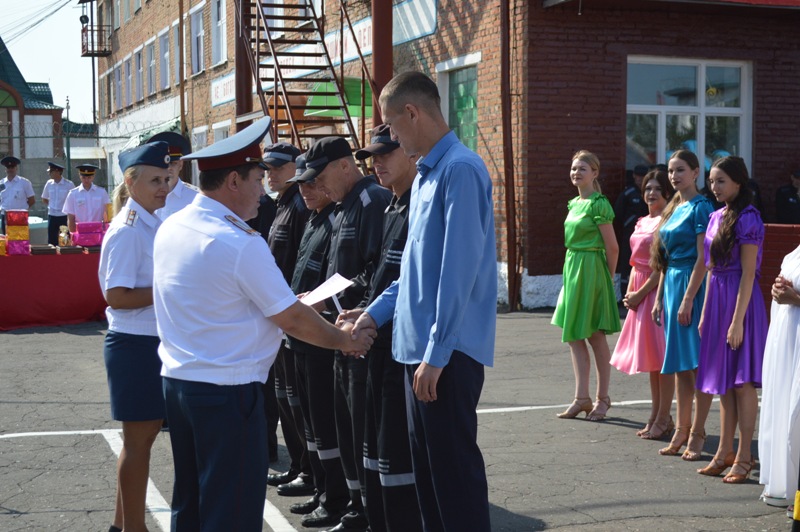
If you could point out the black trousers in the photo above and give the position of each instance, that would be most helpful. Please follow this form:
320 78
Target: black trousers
448 465
391 493
314 378
349 398
53 225
289 412
217 434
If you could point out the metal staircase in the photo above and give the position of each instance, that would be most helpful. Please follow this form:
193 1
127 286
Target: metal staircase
296 82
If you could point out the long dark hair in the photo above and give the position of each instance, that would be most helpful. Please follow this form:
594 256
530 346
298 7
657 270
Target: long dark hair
660 176
658 256
725 240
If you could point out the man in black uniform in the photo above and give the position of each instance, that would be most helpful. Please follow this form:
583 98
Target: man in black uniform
628 208
355 250
284 238
391 495
787 201
314 365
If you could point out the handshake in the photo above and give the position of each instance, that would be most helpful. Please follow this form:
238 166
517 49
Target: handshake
362 329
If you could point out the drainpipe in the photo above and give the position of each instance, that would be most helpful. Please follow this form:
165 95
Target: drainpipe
508 154
382 66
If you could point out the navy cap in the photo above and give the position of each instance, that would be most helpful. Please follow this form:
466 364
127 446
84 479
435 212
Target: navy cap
236 150
640 169
280 153
380 143
151 154
324 151
300 168
88 169
178 144
9 161
54 166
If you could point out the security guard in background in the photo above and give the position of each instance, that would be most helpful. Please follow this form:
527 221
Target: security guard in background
86 202
181 193
628 208
53 195
16 192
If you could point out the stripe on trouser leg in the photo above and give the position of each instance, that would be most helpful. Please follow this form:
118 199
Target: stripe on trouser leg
371 464
293 400
397 479
328 454
280 393
311 445
354 485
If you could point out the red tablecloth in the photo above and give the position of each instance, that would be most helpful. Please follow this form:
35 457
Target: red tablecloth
41 290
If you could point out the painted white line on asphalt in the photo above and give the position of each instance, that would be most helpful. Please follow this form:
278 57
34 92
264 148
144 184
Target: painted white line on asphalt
275 519
155 501
56 433
548 407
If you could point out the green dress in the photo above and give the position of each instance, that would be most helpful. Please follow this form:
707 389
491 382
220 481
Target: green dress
587 302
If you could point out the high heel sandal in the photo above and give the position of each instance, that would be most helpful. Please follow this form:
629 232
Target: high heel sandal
659 431
580 404
692 453
717 466
646 428
596 414
737 478
672 449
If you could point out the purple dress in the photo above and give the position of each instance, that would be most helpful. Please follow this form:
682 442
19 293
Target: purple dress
720 367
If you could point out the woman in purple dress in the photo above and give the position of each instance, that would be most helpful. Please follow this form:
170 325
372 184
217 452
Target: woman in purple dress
730 363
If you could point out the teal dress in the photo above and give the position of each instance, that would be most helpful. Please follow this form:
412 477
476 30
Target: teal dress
587 302
679 238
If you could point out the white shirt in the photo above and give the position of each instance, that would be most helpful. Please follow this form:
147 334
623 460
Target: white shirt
215 283
15 193
56 194
181 196
126 259
87 205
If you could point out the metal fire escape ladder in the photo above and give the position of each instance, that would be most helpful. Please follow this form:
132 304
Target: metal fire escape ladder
289 52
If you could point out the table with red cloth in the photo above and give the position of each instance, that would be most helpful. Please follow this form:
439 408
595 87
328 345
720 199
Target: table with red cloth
37 290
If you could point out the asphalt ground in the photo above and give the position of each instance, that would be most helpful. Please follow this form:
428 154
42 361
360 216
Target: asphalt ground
57 446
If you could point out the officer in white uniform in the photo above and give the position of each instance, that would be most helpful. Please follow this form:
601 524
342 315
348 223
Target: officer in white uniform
53 195
222 305
181 193
86 202
16 192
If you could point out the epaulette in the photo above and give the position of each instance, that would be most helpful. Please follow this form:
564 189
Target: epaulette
132 217
191 186
365 199
241 225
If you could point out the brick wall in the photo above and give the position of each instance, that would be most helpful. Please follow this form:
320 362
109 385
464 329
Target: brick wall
779 241
576 80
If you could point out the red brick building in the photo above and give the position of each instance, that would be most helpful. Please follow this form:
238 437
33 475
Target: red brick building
630 80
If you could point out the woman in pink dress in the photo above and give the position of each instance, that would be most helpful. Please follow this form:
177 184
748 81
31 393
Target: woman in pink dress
733 325
640 347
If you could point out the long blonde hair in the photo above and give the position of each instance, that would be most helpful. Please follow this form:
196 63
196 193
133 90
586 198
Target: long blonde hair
594 163
121 192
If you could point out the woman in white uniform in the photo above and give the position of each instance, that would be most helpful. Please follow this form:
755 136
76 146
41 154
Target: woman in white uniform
131 356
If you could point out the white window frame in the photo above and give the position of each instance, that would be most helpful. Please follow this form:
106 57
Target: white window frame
163 39
150 59
745 112
200 132
117 15
138 55
218 127
219 45
197 32
126 9
117 86
443 71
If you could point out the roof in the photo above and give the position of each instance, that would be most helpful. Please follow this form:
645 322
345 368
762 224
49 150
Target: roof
32 98
78 129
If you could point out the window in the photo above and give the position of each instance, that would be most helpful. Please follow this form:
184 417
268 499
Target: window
110 92
197 42
462 96
126 9
177 40
221 130
137 5
117 88
672 104
116 13
199 141
318 7
219 51
163 45
139 76
128 84
103 96
151 68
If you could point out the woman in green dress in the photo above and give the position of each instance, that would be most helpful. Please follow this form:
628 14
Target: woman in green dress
587 305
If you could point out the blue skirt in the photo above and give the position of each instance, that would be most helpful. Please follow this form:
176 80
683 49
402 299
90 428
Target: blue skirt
683 342
134 377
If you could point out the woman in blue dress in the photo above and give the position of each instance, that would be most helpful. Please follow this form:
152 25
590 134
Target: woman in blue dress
678 254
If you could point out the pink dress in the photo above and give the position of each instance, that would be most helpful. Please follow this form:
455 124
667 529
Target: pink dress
641 343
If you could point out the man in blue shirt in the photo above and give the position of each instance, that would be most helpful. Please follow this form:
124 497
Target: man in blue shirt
444 306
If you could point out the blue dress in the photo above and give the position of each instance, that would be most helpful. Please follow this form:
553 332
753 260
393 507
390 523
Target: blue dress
679 238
